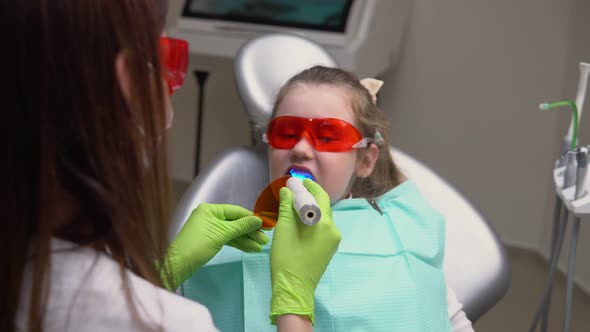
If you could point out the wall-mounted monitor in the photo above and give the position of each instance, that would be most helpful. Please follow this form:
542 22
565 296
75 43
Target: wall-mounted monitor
302 14
362 35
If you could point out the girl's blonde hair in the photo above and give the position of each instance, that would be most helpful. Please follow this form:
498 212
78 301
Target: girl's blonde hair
370 118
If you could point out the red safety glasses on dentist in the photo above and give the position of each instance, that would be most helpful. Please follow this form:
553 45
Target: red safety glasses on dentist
325 134
174 57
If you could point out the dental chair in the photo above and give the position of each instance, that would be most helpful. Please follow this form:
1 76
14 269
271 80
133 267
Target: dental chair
476 266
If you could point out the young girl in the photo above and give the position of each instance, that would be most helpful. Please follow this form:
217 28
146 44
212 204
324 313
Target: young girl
387 273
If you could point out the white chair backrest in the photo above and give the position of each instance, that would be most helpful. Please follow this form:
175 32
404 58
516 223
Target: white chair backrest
265 63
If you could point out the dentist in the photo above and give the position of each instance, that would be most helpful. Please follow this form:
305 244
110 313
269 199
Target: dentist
85 191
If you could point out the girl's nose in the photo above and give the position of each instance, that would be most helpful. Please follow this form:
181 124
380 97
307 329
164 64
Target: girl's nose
304 148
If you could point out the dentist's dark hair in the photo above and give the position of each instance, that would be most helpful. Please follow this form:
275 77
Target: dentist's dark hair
83 162
385 175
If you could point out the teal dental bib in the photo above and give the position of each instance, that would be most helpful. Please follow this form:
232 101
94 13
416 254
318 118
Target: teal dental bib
386 276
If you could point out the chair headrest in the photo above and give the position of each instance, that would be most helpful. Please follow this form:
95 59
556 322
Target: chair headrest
263 64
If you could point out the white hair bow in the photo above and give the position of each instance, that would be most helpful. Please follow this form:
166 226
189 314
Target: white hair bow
373 86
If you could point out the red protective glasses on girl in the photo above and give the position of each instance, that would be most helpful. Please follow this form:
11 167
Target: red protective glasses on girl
325 134
174 57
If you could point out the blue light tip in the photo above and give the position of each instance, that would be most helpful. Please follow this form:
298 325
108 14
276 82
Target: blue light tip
296 173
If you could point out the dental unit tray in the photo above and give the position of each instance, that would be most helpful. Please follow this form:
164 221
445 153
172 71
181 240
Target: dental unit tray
580 206
572 197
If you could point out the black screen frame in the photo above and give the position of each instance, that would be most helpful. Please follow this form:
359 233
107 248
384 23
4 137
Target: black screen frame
341 28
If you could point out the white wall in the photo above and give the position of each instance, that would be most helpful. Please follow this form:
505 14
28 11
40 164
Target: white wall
225 123
464 99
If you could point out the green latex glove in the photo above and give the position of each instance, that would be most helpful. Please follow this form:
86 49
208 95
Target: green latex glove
299 254
210 227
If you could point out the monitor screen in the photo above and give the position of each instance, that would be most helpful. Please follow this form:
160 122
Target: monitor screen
323 15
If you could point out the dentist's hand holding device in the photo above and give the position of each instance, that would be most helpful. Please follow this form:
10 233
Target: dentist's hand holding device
298 262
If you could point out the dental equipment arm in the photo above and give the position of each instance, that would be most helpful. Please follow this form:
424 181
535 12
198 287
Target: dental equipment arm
581 94
582 169
575 162
574 132
580 97
582 159
569 158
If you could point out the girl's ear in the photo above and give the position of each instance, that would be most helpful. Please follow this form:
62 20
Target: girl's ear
367 158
